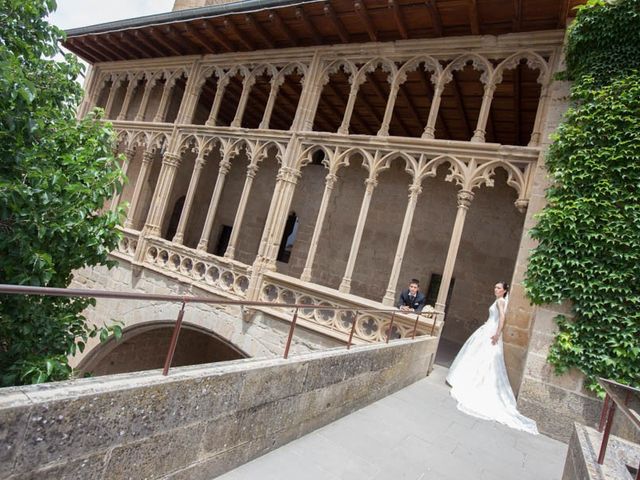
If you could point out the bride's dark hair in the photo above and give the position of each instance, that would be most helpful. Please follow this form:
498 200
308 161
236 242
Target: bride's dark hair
505 285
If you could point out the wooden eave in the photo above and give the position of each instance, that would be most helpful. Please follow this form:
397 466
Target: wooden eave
252 25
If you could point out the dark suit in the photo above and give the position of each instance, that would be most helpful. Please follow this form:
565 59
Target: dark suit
416 303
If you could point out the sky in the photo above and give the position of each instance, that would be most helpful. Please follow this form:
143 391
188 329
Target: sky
82 13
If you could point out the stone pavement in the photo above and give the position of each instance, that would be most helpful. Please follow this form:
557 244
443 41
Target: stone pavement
416 434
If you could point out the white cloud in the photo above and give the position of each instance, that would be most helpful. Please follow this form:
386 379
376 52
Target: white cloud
82 13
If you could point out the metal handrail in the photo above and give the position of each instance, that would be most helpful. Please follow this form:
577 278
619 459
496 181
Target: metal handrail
613 399
184 299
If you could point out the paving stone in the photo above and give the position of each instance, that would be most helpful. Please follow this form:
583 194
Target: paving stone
415 434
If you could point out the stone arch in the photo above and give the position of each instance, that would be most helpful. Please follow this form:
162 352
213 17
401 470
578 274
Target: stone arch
208 84
477 61
335 81
413 64
289 83
306 157
156 334
534 61
386 64
158 142
518 83
233 84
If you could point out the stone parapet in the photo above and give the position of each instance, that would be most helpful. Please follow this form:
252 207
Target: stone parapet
200 421
582 464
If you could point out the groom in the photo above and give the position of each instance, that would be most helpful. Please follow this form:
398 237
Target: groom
411 299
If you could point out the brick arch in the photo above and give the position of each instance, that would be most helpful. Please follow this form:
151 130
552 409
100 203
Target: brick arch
144 346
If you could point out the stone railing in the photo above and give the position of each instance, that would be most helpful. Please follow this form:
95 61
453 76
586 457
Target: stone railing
371 327
229 277
128 244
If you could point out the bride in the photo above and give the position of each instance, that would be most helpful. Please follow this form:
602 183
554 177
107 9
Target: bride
478 376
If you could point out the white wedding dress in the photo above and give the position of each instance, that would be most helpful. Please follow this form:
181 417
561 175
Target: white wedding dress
479 382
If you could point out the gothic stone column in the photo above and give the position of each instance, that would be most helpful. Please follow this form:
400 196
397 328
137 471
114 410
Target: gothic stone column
317 231
345 285
465 198
414 192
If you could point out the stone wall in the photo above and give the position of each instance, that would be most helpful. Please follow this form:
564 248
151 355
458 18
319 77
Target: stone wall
258 335
200 421
555 402
521 314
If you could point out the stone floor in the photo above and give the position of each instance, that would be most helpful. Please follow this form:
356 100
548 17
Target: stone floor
416 433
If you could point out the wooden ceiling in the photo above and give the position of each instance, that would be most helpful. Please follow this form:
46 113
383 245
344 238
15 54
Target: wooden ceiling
238 28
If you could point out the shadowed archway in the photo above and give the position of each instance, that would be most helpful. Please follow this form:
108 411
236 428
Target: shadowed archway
144 347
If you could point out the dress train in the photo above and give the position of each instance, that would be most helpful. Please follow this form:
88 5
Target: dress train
479 381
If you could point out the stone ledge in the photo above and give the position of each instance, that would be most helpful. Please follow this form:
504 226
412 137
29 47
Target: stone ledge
203 420
584 447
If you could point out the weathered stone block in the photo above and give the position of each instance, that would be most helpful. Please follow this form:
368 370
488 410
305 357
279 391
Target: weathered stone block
555 409
91 467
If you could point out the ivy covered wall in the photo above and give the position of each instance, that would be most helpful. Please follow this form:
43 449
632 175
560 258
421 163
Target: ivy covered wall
589 232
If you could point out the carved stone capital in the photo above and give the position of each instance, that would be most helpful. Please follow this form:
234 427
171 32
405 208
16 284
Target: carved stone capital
465 197
370 184
330 180
224 167
288 174
415 190
252 170
148 156
522 204
171 159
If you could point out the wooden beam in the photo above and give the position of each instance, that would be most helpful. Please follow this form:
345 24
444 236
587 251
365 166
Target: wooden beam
83 52
361 10
397 16
143 40
137 46
474 22
230 26
286 31
108 47
336 114
373 112
337 24
457 97
158 36
177 39
517 15
94 51
210 32
108 41
404 92
436 20
516 103
256 27
564 13
491 128
317 38
194 37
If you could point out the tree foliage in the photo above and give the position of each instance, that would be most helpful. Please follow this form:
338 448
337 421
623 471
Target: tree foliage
589 232
55 176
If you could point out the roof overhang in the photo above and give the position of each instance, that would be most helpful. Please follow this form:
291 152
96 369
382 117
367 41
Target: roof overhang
251 25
